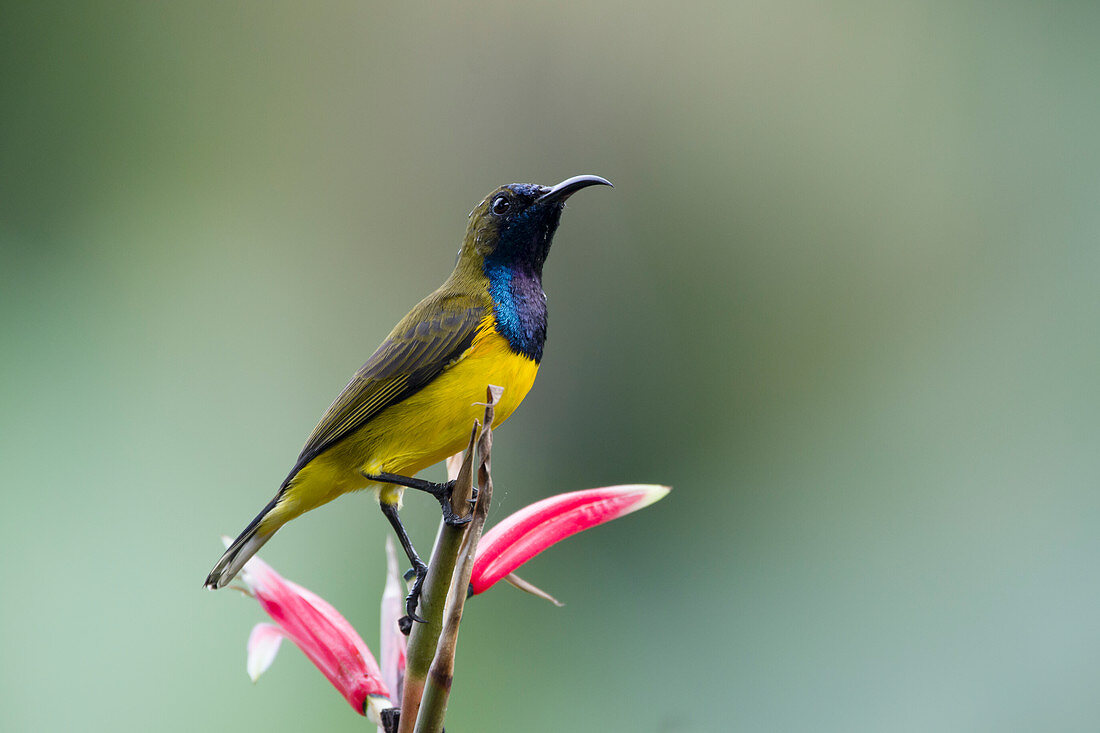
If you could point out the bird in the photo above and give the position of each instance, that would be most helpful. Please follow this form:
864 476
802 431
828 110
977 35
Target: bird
412 403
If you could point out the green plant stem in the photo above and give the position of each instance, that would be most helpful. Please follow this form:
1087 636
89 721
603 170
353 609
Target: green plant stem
437 689
423 638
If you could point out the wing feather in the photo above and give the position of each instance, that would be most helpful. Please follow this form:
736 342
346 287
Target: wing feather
431 336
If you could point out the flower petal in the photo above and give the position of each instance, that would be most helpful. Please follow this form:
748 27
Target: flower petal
521 536
263 645
392 643
320 632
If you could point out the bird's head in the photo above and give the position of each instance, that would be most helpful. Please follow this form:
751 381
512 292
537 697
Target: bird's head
515 224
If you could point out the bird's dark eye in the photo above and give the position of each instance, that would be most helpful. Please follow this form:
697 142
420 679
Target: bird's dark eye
500 205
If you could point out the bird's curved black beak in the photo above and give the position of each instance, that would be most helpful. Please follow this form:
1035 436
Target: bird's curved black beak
570 186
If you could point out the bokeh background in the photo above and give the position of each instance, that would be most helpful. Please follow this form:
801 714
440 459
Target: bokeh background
843 298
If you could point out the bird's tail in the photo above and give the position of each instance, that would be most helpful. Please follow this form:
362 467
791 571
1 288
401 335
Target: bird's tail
244 547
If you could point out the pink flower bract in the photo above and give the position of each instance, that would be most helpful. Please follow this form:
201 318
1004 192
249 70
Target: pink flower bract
392 644
522 535
320 632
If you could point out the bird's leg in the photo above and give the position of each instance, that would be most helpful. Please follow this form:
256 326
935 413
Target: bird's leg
442 493
421 570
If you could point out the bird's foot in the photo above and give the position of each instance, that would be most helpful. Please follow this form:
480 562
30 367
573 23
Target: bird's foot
449 517
441 491
405 622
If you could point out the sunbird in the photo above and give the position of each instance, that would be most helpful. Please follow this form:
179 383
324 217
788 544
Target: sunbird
414 401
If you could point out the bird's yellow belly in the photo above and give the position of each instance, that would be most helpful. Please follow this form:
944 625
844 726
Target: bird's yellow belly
417 432
435 422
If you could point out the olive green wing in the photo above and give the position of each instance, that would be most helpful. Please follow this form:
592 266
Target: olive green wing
435 333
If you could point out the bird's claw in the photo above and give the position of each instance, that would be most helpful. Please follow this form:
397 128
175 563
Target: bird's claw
442 492
446 492
451 519
413 599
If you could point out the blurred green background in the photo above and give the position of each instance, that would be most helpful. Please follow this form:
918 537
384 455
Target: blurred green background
843 298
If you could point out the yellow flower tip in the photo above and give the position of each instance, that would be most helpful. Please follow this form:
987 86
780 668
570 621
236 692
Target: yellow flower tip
652 494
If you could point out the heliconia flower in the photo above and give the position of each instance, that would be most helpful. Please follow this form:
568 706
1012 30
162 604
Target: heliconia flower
392 643
522 535
320 632
263 645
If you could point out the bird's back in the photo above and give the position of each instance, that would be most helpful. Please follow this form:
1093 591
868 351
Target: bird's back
414 401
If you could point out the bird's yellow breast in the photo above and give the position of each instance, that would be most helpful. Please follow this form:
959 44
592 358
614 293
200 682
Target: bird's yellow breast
419 431
435 422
